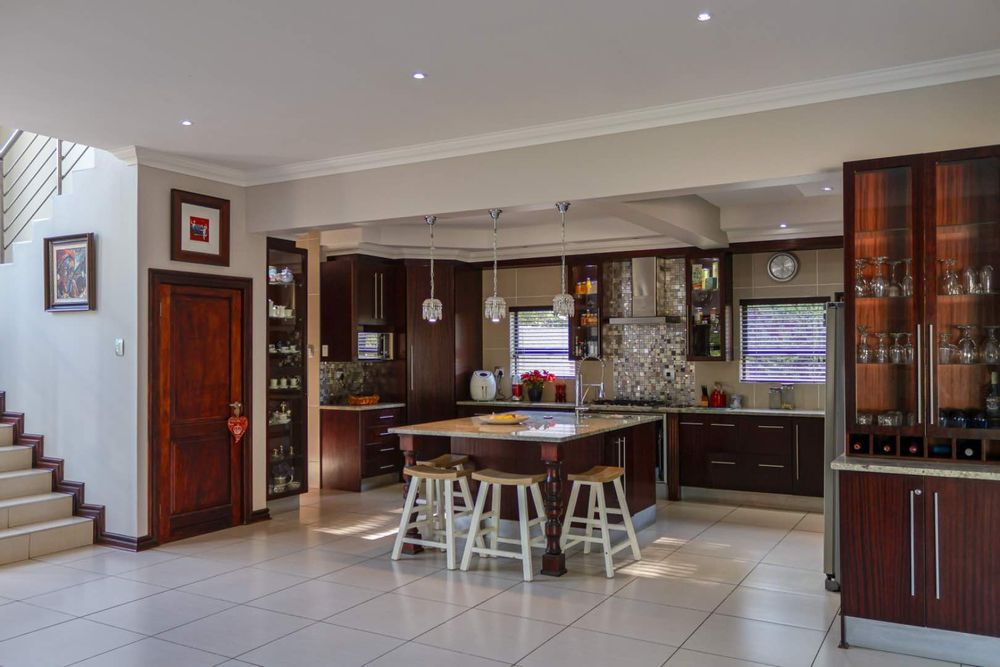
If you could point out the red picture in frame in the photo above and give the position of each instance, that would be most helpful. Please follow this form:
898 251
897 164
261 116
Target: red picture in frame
199 228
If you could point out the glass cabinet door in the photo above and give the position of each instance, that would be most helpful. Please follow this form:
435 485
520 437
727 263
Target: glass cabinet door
963 305
884 301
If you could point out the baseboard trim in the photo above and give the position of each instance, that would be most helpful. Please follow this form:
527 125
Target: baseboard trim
127 542
260 515
775 501
924 642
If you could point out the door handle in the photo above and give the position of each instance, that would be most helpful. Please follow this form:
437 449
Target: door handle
769 465
937 551
913 551
777 428
796 451
374 296
388 449
690 423
930 376
723 463
237 408
411 366
386 416
726 425
920 376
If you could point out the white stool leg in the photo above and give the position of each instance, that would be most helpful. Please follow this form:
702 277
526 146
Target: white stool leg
609 565
449 522
522 520
430 500
495 509
629 528
411 497
591 508
477 513
568 522
468 503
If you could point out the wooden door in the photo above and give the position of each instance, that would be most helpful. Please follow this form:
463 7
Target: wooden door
881 552
962 543
199 366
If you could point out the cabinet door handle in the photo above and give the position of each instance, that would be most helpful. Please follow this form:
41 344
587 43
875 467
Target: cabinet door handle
796 451
391 465
937 551
930 373
691 424
769 465
726 425
411 366
920 377
388 449
386 416
776 428
383 434
723 463
381 296
913 550
374 296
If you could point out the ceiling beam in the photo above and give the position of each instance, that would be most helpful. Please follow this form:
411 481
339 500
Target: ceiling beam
689 219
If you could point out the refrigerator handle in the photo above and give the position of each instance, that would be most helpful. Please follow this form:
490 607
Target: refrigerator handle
920 377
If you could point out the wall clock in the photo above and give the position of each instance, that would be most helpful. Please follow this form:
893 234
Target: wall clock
782 266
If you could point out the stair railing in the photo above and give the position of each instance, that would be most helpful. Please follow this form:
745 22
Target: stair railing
32 170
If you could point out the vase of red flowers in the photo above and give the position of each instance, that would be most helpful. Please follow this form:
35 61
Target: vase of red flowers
534 381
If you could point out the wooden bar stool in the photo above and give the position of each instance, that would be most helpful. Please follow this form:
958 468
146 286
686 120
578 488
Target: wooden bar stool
429 522
434 488
494 480
595 479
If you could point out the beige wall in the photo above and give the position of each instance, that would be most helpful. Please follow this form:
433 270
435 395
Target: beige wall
821 273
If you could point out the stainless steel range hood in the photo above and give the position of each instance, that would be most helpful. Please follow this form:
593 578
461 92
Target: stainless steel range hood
644 296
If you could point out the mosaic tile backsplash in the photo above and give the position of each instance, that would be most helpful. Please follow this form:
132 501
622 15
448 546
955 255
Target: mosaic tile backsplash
649 361
337 380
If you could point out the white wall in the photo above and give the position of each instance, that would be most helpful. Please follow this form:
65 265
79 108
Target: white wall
247 259
60 368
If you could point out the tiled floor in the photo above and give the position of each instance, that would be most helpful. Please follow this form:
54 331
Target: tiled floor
718 587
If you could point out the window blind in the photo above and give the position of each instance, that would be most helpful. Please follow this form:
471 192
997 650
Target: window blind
783 340
539 340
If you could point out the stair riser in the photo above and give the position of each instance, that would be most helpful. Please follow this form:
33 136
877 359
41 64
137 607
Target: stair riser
32 545
29 485
15 459
43 510
6 435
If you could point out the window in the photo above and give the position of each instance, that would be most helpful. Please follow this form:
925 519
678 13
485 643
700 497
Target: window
539 340
783 340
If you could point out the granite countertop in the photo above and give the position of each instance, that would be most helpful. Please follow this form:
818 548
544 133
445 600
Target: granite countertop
362 408
765 412
920 467
541 427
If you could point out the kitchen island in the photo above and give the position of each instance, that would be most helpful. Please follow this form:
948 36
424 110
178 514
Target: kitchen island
556 444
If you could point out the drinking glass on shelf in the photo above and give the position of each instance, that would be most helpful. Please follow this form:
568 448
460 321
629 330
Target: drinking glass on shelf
879 284
895 287
861 285
947 351
986 279
970 281
967 353
991 348
882 351
906 282
909 354
950 283
864 349
897 353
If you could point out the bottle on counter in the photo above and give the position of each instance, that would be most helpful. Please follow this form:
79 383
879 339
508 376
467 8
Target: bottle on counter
704 397
993 397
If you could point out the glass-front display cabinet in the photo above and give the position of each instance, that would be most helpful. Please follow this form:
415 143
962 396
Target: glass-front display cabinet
584 283
709 305
286 370
923 324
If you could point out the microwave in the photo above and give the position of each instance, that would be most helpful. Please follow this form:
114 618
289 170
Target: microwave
374 346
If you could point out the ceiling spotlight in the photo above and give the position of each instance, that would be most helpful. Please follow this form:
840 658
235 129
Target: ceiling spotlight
827 188
783 225
419 75
704 16
186 123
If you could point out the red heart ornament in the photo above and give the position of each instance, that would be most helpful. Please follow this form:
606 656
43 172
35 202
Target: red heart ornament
237 427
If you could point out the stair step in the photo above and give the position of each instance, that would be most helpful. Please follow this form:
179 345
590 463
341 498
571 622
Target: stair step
6 435
44 537
15 458
16 512
31 482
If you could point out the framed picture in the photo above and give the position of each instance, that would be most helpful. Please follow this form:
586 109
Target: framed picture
70 278
199 228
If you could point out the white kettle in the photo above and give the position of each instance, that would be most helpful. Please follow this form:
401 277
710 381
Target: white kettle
483 386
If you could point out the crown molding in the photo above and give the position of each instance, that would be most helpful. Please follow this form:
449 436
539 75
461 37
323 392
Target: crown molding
891 79
126 154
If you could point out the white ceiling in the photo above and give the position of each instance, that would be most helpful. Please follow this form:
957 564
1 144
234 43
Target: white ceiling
276 83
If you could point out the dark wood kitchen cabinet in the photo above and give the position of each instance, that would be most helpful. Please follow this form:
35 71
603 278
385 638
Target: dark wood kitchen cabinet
356 446
808 456
708 284
921 550
358 293
634 450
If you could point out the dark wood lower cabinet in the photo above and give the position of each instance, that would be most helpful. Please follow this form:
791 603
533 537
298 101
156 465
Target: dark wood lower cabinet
921 551
356 444
808 456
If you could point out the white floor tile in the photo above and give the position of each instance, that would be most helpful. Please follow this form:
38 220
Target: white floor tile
17 618
63 644
362 546
787 579
467 589
250 552
397 615
179 571
643 620
35 577
197 545
116 561
322 644
690 593
799 549
310 562
382 574
413 654
574 648
753 516
726 570
727 540
152 652
805 611
235 631
812 523
96 595
494 636
686 658
590 578
315 599
161 612
70 555
243 585
757 641
555 604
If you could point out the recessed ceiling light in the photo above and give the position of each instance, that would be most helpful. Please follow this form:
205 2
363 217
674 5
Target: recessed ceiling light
783 226
419 75
827 188
704 16
186 123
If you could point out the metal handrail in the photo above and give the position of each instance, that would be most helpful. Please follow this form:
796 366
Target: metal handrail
35 178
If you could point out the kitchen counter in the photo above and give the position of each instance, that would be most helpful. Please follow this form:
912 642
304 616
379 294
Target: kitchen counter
765 412
362 408
540 427
918 467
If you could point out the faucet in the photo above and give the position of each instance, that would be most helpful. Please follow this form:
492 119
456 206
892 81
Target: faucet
580 394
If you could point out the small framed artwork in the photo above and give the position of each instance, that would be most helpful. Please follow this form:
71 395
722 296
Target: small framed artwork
70 277
199 228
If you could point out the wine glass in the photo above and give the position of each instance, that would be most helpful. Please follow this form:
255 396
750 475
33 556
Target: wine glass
882 351
895 287
879 284
897 353
864 349
906 283
967 353
861 285
947 351
991 348
908 351
950 283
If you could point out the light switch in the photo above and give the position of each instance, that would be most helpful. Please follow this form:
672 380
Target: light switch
119 347
324 351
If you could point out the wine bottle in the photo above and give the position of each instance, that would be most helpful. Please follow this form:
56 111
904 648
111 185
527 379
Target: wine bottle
993 396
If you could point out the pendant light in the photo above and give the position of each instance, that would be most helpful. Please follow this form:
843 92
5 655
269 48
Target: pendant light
495 307
432 310
562 303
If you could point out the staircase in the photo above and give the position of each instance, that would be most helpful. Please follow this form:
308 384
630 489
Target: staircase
34 520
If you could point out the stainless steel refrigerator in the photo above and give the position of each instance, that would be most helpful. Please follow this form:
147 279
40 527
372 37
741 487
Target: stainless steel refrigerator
834 437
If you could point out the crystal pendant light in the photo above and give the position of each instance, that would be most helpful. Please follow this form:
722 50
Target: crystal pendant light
562 303
432 310
495 307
